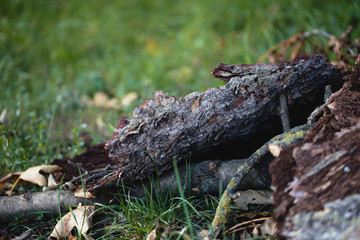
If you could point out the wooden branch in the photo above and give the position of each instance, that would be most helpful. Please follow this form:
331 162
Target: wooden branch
202 123
29 205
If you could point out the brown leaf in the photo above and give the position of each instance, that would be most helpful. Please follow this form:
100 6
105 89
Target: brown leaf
252 197
129 98
7 178
152 235
36 174
101 99
268 228
79 193
81 218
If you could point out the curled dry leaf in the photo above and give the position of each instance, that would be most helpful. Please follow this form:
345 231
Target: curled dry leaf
36 174
51 185
268 228
80 193
81 218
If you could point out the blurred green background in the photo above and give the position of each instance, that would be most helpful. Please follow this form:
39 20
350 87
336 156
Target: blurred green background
55 56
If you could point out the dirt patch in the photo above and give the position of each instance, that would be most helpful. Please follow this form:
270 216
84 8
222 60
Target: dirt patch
95 157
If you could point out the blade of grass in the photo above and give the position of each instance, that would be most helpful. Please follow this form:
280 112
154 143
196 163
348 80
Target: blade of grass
186 210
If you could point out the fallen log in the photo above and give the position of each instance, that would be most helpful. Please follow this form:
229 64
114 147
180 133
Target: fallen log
199 123
219 120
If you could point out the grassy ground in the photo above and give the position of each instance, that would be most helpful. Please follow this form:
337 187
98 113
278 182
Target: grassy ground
56 55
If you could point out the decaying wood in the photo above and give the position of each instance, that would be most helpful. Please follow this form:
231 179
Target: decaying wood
220 119
340 219
317 180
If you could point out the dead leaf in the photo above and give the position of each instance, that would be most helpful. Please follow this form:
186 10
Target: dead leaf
256 230
101 99
204 234
36 174
3 116
129 98
7 178
268 228
79 193
245 235
51 185
252 197
81 218
152 235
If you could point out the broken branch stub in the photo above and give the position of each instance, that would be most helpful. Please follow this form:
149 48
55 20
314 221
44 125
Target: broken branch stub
165 128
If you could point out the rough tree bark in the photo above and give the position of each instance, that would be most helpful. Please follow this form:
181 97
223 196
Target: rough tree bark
219 119
317 180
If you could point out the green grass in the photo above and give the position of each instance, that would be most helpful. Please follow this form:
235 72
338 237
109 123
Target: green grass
135 217
55 55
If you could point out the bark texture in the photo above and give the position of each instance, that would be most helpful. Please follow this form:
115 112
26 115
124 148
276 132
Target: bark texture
320 174
219 119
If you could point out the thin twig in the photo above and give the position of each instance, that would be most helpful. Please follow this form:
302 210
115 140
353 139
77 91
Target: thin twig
295 134
103 171
284 113
234 228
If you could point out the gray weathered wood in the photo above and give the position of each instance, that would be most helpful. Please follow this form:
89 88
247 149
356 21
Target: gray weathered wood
165 128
